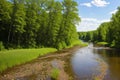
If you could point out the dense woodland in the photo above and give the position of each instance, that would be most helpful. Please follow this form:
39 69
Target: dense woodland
38 23
107 32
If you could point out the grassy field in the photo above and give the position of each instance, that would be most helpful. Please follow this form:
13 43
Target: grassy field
10 58
102 43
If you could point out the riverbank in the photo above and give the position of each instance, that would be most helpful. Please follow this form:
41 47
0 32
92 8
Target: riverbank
55 65
10 58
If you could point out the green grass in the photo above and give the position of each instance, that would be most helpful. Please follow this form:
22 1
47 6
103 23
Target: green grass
55 73
96 78
78 42
102 43
11 58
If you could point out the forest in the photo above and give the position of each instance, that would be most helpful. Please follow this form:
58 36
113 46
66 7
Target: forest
107 33
39 40
38 23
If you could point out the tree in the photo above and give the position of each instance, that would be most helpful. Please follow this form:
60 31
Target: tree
38 23
18 21
5 17
42 35
70 19
32 24
102 31
55 18
115 26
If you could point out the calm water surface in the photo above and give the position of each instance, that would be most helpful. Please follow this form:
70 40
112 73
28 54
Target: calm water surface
85 63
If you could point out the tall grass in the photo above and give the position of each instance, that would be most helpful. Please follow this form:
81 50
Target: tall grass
11 58
102 43
1 46
55 73
77 42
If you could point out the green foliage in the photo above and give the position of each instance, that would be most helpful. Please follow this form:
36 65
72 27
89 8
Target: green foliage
70 18
112 44
103 31
102 43
115 28
77 42
110 31
11 58
55 73
87 36
1 46
61 45
38 23
18 22
32 25
5 12
107 32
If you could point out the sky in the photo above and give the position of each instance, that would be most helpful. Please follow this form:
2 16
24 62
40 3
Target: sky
95 12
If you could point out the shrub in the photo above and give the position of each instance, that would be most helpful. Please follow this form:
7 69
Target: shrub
1 45
102 43
55 73
61 45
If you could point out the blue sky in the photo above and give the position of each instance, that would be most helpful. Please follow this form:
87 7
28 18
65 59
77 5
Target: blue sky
94 12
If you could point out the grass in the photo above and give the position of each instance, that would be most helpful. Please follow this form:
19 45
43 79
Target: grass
96 78
102 43
55 73
78 42
11 58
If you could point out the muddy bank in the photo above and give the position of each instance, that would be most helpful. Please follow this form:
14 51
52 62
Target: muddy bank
44 68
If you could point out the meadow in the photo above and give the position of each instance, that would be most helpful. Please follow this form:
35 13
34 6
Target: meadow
10 58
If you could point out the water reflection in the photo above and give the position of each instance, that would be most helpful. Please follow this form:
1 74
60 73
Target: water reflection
112 57
84 62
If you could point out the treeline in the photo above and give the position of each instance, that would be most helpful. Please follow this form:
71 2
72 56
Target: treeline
107 32
38 23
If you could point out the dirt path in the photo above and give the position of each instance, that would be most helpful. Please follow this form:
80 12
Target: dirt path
43 67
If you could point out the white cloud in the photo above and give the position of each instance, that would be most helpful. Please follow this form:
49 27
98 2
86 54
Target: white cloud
88 24
86 4
100 3
114 11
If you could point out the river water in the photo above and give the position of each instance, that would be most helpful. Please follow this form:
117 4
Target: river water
86 63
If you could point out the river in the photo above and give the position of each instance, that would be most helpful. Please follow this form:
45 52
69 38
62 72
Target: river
86 63
90 63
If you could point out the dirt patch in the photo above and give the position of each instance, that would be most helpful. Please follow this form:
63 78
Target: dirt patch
40 69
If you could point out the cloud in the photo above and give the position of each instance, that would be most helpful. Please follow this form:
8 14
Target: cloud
86 4
99 3
88 24
114 11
